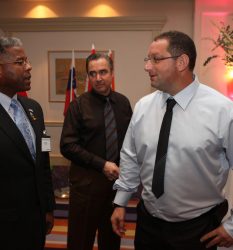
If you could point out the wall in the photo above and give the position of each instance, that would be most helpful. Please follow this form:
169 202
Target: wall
208 12
130 45
132 82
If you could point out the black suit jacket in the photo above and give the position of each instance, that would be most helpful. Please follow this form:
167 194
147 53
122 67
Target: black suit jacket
25 185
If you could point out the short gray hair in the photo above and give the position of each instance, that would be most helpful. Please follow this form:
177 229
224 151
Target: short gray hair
9 42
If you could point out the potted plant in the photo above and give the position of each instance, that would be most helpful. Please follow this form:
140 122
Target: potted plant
224 41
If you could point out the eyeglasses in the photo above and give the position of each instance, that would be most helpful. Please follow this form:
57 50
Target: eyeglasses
102 72
21 62
155 59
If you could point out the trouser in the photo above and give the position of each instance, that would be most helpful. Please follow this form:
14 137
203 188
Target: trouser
25 233
88 214
156 234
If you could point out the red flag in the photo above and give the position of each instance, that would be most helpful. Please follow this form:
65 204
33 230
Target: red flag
113 79
71 85
24 93
88 85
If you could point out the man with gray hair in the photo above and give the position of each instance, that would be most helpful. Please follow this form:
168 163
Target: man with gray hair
92 136
27 199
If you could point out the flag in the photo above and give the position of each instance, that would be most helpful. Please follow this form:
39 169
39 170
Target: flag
23 93
71 85
113 79
88 85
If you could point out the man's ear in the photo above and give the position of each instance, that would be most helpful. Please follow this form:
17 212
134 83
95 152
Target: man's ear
182 62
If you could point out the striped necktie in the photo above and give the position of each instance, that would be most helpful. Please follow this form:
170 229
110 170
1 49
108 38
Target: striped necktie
160 162
22 124
110 132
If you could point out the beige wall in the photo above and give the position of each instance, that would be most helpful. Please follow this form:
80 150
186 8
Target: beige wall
206 12
130 78
130 45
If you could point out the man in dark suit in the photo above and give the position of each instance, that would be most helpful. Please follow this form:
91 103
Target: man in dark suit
94 164
27 199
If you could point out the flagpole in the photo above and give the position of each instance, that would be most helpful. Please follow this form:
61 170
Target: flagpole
87 86
113 78
71 85
72 75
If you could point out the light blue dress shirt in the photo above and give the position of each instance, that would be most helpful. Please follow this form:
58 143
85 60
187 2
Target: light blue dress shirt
5 101
199 157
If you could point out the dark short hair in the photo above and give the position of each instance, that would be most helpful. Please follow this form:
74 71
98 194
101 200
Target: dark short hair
180 43
9 42
97 56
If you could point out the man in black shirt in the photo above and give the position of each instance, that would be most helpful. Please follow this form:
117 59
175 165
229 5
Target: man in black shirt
92 172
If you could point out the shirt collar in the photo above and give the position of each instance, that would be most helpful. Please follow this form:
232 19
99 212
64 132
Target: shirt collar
111 96
184 97
5 100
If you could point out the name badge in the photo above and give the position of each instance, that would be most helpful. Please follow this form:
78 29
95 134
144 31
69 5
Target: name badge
45 143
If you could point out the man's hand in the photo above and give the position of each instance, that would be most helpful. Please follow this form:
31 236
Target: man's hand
111 170
49 222
118 221
218 237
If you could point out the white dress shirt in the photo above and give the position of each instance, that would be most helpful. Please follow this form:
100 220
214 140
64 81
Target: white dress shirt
199 156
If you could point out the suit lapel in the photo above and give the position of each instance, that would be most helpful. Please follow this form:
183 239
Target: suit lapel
12 131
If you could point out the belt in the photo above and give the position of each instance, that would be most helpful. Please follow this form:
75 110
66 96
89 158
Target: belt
219 211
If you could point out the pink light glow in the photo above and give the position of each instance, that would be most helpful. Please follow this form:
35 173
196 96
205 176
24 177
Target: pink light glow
217 13
229 80
229 73
215 3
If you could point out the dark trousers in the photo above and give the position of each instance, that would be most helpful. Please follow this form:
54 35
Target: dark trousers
90 212
27 232
156 234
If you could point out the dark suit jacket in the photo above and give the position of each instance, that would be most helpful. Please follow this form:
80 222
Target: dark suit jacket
25 185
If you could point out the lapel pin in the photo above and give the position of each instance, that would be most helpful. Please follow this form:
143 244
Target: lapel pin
32 114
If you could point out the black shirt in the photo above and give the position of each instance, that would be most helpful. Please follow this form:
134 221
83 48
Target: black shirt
83 134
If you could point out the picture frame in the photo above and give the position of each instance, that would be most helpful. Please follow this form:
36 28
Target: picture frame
58 67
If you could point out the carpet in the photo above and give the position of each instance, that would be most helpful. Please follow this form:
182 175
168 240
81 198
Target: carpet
57 239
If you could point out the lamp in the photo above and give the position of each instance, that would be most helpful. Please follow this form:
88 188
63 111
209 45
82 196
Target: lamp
229 78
